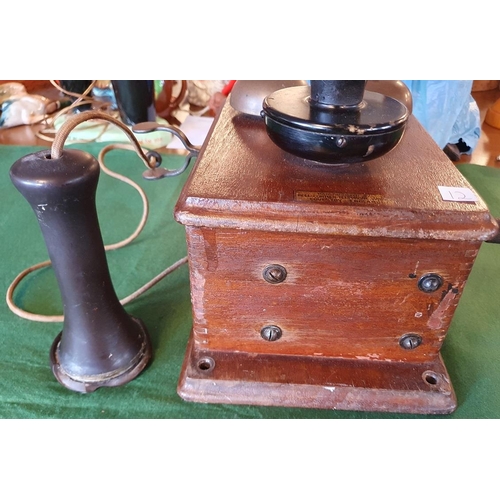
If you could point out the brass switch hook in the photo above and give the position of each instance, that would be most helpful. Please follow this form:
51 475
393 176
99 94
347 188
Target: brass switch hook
160 172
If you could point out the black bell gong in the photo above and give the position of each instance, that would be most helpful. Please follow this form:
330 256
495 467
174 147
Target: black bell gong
334 121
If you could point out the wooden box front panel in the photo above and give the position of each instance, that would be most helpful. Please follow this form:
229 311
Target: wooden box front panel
349 297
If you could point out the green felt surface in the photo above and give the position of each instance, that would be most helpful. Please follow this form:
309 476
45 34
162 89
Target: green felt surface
28 389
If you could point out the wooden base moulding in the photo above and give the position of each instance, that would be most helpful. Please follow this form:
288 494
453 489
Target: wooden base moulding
315 382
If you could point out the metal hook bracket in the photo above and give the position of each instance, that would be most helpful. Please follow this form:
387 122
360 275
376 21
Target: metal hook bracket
160 172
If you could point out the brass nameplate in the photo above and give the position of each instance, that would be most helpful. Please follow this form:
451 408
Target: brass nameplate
341 198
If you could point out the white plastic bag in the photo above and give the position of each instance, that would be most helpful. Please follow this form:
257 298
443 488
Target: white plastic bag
447 110
17 107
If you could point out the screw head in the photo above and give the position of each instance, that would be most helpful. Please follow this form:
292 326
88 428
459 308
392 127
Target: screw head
274 274
410 341
340 142
430 282
271 333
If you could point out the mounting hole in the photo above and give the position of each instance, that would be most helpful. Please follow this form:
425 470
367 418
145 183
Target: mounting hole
206 364
48 156
431 378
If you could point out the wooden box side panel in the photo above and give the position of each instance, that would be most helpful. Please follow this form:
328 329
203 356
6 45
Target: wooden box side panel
346 297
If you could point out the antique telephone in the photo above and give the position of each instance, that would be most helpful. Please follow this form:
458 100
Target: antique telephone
319 234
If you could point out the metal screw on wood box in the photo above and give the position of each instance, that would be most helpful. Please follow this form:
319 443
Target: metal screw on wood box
271 333
430 282
274 274
410 341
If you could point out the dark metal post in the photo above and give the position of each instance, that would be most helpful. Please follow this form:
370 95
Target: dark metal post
337 92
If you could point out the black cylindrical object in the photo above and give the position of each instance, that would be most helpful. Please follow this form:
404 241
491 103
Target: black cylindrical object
135 100
77 87
331 93
100 343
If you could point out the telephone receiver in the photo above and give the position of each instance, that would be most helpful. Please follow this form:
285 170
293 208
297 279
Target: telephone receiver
100 343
